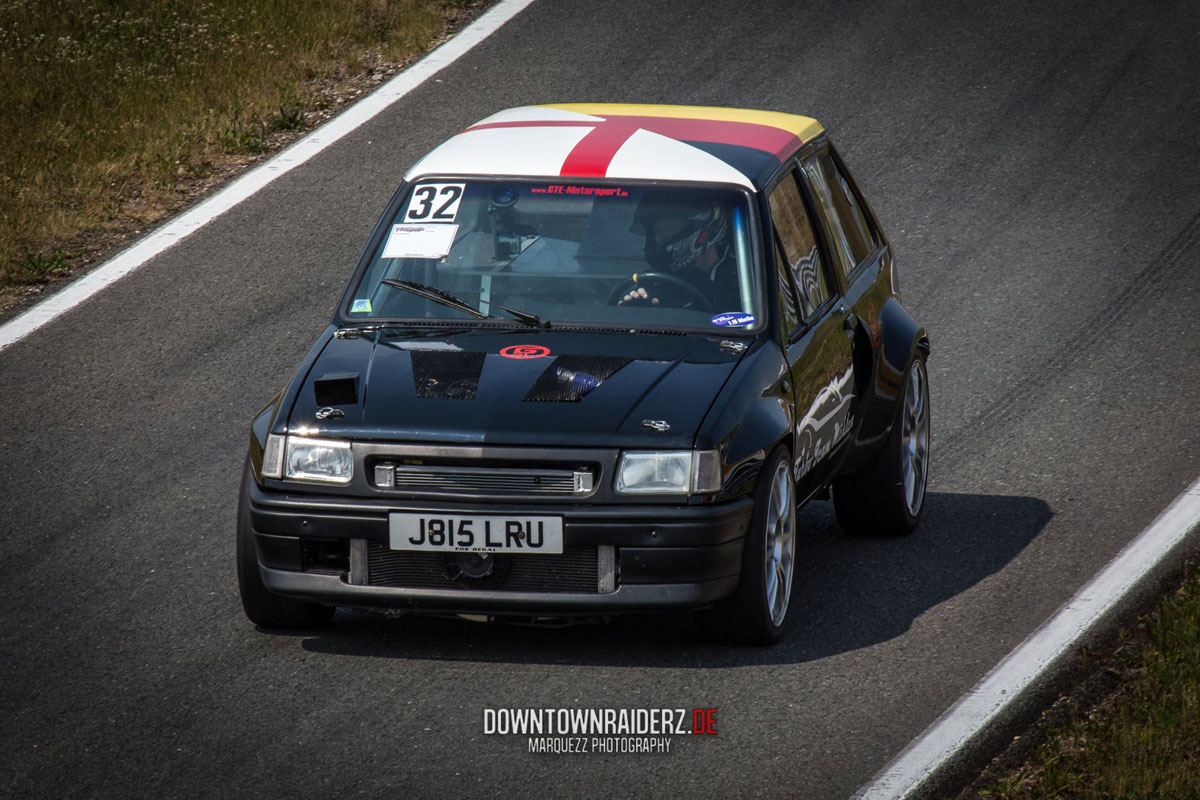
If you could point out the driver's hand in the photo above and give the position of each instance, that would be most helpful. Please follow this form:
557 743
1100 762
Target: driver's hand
639 297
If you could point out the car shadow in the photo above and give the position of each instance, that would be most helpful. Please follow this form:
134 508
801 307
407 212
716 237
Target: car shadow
850 592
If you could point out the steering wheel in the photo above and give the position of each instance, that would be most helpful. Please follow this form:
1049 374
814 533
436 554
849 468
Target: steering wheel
643 278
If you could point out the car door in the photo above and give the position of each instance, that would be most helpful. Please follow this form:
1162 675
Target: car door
818 348
862 261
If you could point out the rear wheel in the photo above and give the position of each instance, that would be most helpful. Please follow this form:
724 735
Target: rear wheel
262 606
755 613
887 497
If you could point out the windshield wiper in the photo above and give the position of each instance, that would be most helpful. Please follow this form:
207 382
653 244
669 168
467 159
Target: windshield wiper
447 299
399 328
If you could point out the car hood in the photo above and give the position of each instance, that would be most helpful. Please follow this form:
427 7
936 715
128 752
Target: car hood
547 388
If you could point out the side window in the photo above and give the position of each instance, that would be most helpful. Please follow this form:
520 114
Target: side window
837 238
844 216
795 235
791 317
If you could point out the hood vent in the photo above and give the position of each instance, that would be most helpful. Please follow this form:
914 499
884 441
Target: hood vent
570 378
446 375
336 389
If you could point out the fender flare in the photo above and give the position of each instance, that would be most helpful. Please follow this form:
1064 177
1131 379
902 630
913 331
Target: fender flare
746 425
900 338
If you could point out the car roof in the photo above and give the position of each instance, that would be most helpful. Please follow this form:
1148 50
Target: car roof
642 142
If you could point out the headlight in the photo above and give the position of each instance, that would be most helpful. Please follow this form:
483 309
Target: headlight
675 472
321 460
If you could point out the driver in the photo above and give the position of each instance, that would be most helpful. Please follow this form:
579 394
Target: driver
688 237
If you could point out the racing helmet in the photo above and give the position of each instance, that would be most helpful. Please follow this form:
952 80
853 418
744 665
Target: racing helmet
701 223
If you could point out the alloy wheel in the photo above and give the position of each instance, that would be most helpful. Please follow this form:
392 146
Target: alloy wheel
915 437
780 544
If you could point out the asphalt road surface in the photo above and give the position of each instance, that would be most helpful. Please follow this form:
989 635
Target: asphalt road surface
1038 169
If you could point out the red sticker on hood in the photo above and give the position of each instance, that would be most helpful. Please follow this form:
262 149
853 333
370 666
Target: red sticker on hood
525 351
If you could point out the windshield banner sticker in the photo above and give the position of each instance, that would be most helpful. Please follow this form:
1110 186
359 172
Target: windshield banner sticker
419 241
435 202
734 319
584 191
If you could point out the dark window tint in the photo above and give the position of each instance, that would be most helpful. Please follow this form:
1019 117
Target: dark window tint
561 250
791 317
799 245
821 194
847 221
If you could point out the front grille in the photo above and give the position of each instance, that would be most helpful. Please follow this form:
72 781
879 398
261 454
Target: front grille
483 481
575 570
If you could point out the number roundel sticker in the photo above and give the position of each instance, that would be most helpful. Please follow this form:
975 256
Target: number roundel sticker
435 202
525 351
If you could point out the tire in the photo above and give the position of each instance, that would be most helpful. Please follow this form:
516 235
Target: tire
262 606
755 613
886 498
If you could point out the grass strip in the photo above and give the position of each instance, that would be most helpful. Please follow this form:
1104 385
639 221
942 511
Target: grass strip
118 114
1142 740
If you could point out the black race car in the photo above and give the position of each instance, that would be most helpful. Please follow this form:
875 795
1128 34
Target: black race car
591 361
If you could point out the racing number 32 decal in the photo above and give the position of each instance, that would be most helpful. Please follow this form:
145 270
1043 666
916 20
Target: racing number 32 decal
434 202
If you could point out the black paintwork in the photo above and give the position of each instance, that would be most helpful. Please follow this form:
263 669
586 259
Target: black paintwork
449 386
665 377
759 165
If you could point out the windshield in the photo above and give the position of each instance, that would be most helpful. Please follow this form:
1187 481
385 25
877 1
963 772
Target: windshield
567 252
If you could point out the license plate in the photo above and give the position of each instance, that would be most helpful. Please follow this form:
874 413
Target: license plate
447 533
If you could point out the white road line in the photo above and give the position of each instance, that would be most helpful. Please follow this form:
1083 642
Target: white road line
1058 637
247 185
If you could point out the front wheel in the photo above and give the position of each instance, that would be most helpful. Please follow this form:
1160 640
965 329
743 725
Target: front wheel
262 606
887 497
755 613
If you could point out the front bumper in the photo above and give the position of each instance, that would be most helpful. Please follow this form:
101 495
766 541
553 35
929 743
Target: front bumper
661 557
